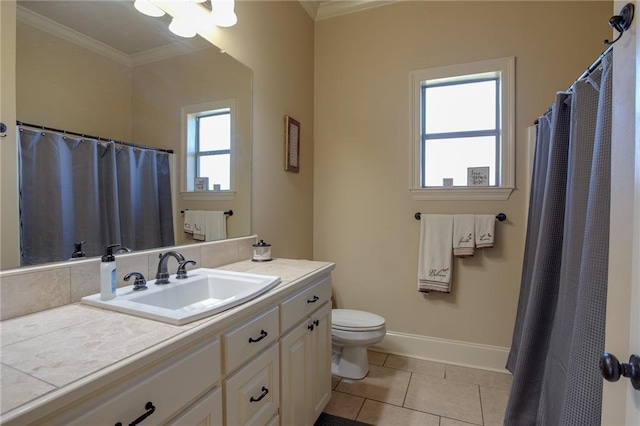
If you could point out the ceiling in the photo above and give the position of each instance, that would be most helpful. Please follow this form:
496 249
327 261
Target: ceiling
116 24
113 28
323 9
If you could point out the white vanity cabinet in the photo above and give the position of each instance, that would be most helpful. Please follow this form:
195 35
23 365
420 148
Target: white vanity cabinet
267 363
155 396
207 411
305 377
253 392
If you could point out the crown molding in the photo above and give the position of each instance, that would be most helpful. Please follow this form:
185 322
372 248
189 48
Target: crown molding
311 7
319 10
66 33
149 56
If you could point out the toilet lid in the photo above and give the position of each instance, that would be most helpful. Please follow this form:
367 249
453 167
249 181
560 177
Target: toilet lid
352 320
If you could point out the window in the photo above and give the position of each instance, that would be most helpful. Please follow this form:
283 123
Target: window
213 148
463 118
208 151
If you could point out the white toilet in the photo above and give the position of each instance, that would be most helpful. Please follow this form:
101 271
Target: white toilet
351 332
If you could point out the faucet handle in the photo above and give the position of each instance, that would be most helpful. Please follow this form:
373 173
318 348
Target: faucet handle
140 283
182 269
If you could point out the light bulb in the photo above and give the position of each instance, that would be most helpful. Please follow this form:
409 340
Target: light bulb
222 13
182 28
148 8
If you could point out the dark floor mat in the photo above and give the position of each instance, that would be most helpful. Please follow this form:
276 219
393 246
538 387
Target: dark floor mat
329 420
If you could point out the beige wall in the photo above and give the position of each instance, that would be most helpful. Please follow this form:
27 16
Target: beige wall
275 39
62 85
362 206
9 246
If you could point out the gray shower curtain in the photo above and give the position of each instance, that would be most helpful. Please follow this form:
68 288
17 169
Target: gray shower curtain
559 332
76 189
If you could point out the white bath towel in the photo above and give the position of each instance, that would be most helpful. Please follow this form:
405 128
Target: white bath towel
434 262
485 224
215 227
198 224
463 235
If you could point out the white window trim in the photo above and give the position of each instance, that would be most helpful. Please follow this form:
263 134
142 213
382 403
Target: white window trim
506 66
188 152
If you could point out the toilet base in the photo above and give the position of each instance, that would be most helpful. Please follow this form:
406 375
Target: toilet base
350 362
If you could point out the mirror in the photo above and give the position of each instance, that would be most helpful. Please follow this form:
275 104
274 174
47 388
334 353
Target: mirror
102 68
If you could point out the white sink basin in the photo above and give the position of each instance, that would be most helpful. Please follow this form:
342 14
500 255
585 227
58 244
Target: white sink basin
206 292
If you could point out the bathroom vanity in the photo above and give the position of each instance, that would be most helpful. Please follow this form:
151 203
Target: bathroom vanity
267 361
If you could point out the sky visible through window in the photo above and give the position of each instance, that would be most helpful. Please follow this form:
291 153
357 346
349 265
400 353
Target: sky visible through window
450 110
215 135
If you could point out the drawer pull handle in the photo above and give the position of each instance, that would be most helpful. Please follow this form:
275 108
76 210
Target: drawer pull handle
264 393
310 327
316 322
150 410
263 334
314 300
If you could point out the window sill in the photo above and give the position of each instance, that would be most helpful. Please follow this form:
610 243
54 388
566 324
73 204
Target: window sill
208 195
462 194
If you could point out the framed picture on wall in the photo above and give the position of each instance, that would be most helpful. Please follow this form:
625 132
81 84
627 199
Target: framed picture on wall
291 144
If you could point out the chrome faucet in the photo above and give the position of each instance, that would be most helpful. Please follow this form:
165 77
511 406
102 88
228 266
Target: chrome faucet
162 276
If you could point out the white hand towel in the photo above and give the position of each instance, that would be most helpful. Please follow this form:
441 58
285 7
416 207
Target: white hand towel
485 224
188 222
434 262
198 224
463 235
215 226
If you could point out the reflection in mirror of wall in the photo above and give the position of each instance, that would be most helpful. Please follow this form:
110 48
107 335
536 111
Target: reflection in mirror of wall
77 71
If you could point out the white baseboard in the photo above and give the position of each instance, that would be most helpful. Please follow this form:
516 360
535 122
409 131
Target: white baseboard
466 354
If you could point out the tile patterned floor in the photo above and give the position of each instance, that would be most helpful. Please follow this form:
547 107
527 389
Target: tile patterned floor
409 391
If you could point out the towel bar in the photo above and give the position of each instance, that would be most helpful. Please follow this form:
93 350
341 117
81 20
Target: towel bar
228 212
500 217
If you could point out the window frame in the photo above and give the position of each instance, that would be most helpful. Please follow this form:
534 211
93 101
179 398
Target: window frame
190 154
504 70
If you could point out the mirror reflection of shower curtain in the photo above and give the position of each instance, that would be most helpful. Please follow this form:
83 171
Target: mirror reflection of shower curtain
74 189
559 332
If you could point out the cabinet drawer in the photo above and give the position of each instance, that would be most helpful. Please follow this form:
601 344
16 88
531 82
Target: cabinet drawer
253 392
169 387
302 304
249 338
206 411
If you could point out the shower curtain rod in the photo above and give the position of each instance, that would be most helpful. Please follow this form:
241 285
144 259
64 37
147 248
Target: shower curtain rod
84 135
592 67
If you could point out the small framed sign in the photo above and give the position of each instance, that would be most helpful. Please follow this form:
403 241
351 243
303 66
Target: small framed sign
291 145
201 184
478 176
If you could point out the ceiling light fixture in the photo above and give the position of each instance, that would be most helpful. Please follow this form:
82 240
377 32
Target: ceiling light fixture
148 8
182 28
222 13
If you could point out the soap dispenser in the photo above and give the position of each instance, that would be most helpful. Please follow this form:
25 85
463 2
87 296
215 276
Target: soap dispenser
108 273
78 253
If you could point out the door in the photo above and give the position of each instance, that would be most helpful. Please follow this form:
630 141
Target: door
621 403
321 360
294 375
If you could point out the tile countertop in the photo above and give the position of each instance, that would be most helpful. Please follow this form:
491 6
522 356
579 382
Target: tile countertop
65 351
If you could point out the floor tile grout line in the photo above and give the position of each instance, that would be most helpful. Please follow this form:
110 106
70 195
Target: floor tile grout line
360 409
406 391
481 409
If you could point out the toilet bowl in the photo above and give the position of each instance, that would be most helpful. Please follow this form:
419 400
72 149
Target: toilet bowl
351 332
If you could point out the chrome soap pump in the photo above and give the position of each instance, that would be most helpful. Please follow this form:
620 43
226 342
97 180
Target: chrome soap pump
261 252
